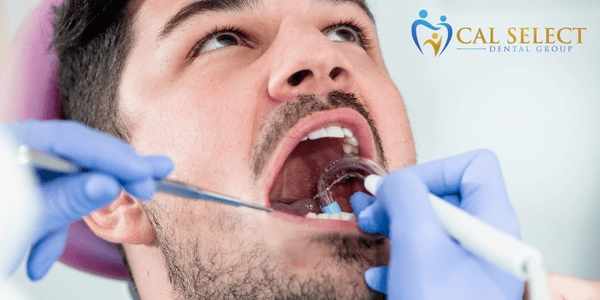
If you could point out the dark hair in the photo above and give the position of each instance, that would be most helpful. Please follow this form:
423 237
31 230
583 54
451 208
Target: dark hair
92 39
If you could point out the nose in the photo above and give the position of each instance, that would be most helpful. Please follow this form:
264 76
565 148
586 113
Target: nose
307 62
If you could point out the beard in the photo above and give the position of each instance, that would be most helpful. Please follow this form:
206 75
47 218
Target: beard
230 266
239 269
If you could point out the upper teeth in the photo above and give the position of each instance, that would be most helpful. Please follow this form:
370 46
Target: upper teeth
350 145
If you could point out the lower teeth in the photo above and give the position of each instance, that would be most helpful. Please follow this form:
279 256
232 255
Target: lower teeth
344 216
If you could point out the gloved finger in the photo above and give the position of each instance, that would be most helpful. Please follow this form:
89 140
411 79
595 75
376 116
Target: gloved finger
90 148
406 200
142 190
477 179
44 175
44 253
374 219
359 201
376 279
452 199
161 165
68 198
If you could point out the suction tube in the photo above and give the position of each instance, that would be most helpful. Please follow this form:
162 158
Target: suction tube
342 169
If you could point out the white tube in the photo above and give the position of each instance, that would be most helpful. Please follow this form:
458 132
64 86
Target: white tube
496 246
538 283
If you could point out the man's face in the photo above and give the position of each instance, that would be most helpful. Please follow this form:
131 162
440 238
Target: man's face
229 89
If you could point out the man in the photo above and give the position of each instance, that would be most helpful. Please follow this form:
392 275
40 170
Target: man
229 90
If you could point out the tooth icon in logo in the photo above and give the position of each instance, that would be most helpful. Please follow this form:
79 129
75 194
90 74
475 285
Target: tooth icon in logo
436 38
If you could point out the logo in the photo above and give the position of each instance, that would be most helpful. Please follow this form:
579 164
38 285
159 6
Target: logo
441 35
491 39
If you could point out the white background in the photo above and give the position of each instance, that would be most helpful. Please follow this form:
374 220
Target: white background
538 111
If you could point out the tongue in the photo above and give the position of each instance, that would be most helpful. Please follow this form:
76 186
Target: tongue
296 184
299 207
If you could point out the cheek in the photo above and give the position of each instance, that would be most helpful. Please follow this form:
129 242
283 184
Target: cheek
387 108
200 229
198 123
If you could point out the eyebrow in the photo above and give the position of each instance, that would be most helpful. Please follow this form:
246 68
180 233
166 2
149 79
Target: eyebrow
203 6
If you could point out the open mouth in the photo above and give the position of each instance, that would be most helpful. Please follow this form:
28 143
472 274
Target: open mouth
310 147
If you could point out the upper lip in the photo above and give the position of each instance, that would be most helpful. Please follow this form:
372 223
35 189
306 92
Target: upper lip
344 117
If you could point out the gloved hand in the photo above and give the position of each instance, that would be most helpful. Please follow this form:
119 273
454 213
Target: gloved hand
111 164
425 262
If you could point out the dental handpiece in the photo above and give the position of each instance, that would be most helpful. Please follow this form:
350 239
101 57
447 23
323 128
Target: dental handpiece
493 245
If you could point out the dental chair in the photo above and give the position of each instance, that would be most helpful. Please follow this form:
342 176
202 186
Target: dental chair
29 79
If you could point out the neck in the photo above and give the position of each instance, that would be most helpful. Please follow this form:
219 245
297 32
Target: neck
149 272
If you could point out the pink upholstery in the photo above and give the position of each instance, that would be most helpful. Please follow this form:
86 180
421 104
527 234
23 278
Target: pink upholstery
30 80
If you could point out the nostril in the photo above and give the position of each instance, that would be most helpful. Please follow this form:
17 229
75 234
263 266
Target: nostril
298 77
335 72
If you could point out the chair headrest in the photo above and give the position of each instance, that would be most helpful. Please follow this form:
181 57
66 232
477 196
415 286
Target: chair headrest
29 79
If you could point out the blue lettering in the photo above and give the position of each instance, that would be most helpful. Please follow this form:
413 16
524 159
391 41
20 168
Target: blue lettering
525 48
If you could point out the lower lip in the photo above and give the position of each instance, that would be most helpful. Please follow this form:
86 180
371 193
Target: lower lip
318 223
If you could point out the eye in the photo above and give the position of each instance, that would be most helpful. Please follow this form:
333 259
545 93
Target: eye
349 31
217 39
221 40
344 33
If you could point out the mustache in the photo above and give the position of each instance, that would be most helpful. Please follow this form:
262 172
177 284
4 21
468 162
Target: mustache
285 116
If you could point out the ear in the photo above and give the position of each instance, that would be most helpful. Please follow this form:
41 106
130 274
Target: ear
123 222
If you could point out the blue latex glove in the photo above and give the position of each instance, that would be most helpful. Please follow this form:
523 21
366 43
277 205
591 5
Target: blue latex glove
425 262
111 164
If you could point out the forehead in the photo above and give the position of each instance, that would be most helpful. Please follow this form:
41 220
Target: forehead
239 5
174 13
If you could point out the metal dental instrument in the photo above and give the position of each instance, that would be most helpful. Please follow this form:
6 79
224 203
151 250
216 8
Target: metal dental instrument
43 160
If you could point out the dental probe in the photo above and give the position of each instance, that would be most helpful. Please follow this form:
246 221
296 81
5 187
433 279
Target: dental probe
54 163
496 246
